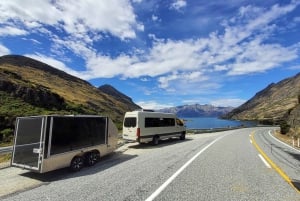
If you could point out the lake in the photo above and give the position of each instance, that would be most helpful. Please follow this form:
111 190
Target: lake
214 122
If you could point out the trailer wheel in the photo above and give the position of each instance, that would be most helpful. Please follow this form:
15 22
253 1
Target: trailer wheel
77 163
155 140
91 158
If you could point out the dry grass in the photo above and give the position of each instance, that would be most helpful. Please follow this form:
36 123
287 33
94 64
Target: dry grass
4 158
286 139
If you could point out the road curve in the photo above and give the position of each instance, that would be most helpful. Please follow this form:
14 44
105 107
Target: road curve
285 157
215 166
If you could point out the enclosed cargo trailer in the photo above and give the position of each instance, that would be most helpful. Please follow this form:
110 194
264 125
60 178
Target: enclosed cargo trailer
50 142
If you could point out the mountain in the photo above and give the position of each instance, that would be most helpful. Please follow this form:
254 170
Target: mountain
30 87
274 103
111 91
197 110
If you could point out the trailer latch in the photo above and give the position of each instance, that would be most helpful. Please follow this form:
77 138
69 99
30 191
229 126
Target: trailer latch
37 151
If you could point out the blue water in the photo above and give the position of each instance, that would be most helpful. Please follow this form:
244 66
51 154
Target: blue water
214 122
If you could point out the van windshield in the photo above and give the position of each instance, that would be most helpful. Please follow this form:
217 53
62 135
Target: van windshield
130 122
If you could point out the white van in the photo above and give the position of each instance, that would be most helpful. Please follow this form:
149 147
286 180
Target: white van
146 126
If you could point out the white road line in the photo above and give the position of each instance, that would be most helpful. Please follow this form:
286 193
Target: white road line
251 141
264 161
164 185
283 142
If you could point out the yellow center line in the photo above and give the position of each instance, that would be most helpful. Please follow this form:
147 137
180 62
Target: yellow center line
273 165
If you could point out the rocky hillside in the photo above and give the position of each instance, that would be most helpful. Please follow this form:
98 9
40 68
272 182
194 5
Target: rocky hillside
274 103
111 91
29 87
198 110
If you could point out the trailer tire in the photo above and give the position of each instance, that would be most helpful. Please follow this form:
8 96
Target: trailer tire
77 164
91 158
155 140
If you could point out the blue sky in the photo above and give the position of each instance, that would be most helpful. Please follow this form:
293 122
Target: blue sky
161 53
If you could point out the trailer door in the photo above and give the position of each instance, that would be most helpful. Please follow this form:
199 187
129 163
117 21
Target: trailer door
27 151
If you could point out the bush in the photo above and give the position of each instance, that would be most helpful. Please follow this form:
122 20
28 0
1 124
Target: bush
284 127
7 135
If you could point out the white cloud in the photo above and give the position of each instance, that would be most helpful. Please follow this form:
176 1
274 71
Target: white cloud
153 105
77 18
12 31
231 102
294 67
4 50
178 5
179 65
54 63
181 79
154 18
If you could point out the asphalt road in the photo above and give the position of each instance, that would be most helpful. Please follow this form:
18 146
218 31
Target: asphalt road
6 149
214 166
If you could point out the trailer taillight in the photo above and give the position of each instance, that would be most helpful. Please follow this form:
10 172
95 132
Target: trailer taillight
138 132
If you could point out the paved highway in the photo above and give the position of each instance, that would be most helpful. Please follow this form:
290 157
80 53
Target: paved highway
6 149
215 166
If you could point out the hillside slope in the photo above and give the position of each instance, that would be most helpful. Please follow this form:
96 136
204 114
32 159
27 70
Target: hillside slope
30 87
197 110
272 103
111 91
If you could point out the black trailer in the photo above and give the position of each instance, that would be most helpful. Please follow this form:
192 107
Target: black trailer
49 142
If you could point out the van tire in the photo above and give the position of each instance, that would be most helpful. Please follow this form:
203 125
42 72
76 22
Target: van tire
155 140
77 164
91 158
182 136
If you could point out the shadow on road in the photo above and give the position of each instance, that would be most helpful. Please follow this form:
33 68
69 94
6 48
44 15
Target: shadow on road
295 156
162 143
106 162
296 184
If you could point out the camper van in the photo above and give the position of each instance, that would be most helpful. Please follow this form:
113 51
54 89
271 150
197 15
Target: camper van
148 126
46 143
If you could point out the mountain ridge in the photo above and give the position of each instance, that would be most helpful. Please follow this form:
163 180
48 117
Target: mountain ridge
30 87
198 110
273 103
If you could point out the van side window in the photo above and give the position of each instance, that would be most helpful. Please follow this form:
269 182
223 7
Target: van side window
130 122
159 122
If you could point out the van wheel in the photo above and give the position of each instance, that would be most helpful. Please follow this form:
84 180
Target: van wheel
155 140
91 158
182 136
77 163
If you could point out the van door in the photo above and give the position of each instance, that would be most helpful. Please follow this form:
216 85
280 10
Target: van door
27 151
130 128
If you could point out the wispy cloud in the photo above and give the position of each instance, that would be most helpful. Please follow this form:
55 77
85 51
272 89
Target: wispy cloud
4 50
178 5
240 47
79 19
153 105
12 31
231 102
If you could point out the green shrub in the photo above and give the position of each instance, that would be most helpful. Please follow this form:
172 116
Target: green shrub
7 135
284 127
